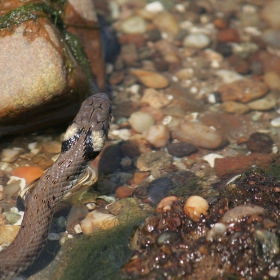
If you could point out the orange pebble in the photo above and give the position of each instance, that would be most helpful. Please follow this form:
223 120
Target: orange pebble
29 173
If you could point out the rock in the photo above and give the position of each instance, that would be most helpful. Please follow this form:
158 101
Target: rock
262 104
139 40
134 24
272 80
141 121
123 191
228 35
239 64
220 23
151 79
275 122
155 98
139 176
129 54
260 143
166 203
210 158
96 221
8 234
77 213
166 22
116 77
196 206
184 74
29 173
235 107
10 155
181 149
225 167
199 135
240 212
153 160
157 135
271 37
229 76
197 41
243 90
270 13
52 147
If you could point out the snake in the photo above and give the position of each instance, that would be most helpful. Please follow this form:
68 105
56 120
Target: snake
83 141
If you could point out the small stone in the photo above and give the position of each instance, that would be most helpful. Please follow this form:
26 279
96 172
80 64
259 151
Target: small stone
199 135
184 74
229 76
220 23
262 104
271 12
272 80
195 206
10 155
151 79
53 236
123 191
235 107
260 143
139 40
29 173
166 203
275 122
210 158
116 77
153 160
239 64
228 35
181 149
77 213
197 41
243 90
138 177
134 24
129 55
8 234
126 162
225 167
271 37
155 98
141 121
95 221
157 135
166 22
52 147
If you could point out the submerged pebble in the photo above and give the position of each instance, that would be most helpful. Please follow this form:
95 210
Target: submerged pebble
157 135
141 121
181 149
195 206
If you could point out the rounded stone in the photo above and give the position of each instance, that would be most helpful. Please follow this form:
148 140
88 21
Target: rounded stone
141 121
197 41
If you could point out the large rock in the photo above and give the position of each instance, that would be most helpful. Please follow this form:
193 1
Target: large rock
43 79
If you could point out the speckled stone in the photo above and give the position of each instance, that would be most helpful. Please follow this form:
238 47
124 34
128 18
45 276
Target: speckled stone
181 149
260 143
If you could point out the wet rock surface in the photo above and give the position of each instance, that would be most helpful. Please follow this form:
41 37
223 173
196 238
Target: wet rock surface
235 237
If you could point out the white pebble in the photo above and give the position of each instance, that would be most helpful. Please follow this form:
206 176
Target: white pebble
216 231
198 41
141 121
210 158
275 122
229 76
53 236
134 24
157 135
154 7
195 206
10 155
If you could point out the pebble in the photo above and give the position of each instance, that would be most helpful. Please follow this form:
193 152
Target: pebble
157 135
195 206
155 98
272 80
52 147
239 64
158 189
271 37
166 203
262 104
153 160
275 122
167 237
126 161
141 121
199 135
210 158
8 234
216 231
29 173
224 167
260 143
134 24
12 188
228 76
10 155
197 41
243 90
181 149
270 13
235 107
98 221
228 35
53 236
184 74
77 213
166 22
240 212
123 191
139 176
151 79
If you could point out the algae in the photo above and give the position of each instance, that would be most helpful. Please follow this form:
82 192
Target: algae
101 255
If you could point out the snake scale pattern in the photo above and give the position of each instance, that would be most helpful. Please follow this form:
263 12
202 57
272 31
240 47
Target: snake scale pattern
83 141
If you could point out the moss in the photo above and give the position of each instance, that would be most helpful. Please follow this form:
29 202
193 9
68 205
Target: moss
101 255
30 11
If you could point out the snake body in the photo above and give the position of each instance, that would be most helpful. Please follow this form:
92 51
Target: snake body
83 141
